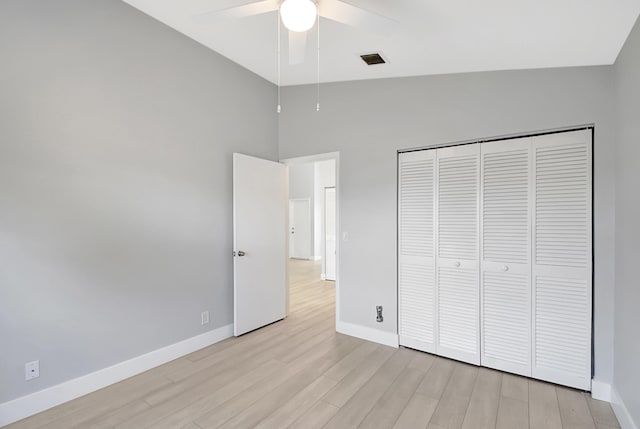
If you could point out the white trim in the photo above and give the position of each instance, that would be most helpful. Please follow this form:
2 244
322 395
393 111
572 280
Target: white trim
600 390
486 139
324 229
311 158
34 403
624 418
338 235
369 334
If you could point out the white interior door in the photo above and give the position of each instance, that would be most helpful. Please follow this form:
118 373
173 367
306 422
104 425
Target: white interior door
330 233
505 280
458 288
300 229
259 240
416 250
562 264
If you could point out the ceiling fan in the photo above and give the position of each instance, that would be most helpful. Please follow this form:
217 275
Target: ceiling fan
299 16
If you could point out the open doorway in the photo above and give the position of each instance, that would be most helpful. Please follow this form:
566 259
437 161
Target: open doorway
313 232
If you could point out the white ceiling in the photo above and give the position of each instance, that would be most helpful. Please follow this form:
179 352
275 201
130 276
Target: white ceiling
432 37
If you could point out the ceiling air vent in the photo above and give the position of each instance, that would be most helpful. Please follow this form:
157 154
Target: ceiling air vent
372 59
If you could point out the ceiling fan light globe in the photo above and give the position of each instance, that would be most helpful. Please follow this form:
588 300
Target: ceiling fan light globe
298 15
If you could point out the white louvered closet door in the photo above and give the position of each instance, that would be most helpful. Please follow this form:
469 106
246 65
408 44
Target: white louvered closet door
458 174
562 264
416 213
505 248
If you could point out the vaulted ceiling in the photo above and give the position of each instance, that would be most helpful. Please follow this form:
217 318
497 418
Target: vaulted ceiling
430 37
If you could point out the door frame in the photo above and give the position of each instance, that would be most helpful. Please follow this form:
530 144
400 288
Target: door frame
324 244
309 227
325 157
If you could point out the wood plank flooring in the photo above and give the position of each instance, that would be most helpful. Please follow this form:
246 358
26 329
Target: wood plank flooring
299 373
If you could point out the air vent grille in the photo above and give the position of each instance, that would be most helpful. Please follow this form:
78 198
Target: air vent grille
372 59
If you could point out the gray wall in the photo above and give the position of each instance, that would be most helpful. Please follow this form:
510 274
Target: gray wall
368 121
116 135
627 321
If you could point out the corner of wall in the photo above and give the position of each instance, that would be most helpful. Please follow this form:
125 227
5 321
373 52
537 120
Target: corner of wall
621 411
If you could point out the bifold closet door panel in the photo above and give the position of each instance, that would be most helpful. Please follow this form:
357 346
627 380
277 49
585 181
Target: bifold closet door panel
458 176
416 279
562 258
505 248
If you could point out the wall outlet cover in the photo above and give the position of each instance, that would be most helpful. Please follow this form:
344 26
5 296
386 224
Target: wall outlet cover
32 370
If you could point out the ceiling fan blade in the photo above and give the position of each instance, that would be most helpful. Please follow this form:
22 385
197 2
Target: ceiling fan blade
344 13
250 9
297 47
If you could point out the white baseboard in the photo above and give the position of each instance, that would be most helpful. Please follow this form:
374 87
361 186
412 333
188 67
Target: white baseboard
323 277
600 390
369 334
34 403
624 418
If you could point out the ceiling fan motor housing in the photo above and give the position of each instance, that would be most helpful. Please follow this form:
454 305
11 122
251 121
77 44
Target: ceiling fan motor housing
298 15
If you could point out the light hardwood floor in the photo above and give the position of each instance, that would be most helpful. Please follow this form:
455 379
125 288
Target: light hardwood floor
299 373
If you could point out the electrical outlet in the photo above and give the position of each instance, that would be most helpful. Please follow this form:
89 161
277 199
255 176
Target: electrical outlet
204 317
32 370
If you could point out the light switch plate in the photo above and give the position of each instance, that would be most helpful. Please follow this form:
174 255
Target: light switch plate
204 317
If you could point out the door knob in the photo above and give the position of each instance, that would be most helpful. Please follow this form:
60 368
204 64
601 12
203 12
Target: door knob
456 264
505 268
241 253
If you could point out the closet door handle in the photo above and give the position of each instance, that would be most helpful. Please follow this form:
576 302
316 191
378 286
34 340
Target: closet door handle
505 268
456 264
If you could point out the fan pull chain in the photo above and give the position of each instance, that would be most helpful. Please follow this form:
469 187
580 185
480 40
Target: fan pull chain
279 109
318 70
